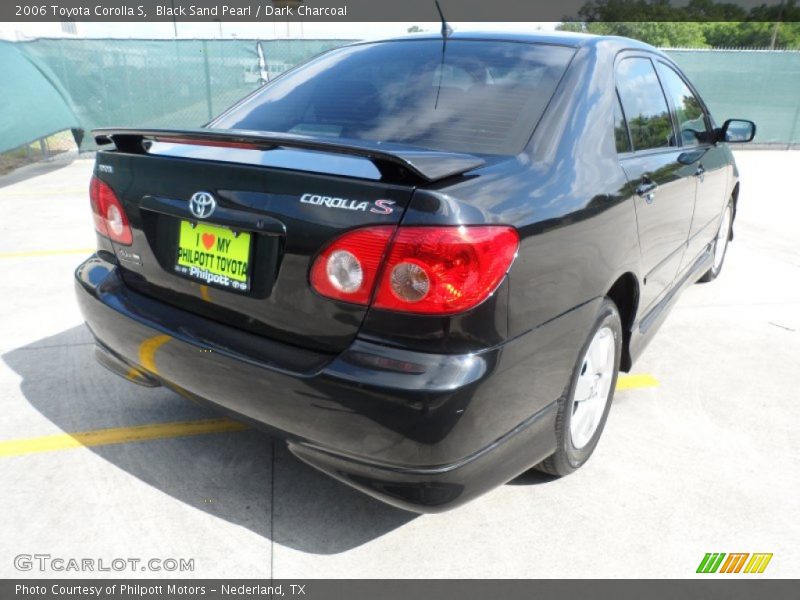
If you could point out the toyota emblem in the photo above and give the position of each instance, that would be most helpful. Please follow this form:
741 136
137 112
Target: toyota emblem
202 204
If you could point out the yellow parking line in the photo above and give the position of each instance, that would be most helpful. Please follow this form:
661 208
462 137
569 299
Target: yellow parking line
34 253
633 382
147 355
147 351
140 433
116 435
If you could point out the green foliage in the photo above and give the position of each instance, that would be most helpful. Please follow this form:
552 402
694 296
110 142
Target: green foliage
573 26
664 34
625 10
708 10
753 35
697 24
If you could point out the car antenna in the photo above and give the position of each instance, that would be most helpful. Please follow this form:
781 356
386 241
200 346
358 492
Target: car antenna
447 31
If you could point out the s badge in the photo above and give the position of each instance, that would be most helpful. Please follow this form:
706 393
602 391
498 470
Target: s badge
382 207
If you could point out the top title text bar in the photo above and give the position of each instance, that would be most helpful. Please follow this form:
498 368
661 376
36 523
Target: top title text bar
395 10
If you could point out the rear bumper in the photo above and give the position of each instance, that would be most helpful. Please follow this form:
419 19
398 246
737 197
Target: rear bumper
424 432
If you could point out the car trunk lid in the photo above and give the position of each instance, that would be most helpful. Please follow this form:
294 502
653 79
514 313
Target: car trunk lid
246 262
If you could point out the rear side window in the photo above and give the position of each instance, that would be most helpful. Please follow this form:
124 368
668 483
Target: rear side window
482 97
688 110
645 105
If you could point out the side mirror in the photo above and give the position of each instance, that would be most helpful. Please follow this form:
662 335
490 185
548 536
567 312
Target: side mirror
736 131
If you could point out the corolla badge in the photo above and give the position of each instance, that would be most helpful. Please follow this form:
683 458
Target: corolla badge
380 207
202 204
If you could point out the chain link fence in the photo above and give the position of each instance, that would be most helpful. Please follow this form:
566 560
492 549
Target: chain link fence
184 83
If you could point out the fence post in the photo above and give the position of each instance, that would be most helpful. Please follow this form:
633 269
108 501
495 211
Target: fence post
43 147
792 139
208 80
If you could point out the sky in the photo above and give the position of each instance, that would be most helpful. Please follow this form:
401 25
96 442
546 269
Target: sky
308 30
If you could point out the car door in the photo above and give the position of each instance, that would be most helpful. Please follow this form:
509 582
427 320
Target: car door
707 160
661 185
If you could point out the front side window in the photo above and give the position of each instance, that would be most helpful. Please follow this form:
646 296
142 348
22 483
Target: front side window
477 96
645 105
689 112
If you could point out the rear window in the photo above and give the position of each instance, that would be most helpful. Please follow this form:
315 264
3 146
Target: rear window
482 97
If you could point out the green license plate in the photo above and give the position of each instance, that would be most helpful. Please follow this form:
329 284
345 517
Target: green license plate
214 255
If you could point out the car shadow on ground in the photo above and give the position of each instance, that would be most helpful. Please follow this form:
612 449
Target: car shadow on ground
246 477
532 477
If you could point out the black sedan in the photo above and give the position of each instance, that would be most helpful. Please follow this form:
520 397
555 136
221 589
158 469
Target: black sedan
420 262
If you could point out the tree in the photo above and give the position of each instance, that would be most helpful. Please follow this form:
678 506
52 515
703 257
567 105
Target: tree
708 10
754 34
611 11
698 24
666 34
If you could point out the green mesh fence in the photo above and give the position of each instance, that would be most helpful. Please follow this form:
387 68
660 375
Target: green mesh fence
760 85
183 83
31 105
157 83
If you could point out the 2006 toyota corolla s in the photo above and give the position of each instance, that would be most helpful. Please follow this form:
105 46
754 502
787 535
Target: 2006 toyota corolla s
420 262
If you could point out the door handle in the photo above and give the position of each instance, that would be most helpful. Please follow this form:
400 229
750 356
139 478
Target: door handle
700 173
647 190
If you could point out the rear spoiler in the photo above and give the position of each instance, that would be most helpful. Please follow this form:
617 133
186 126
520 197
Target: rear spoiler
428 165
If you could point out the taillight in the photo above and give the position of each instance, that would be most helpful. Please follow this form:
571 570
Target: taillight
427 270
444 270
347 268
110 219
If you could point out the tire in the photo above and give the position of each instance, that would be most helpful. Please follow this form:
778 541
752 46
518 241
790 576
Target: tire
720 244
577 433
